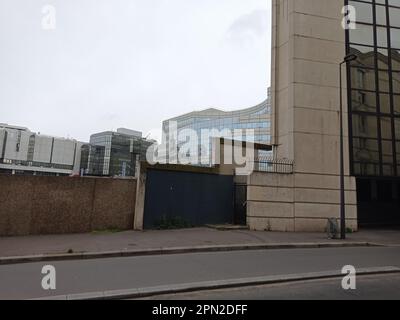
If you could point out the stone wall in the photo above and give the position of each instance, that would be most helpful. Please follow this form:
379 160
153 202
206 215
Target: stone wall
270 202
308 44
31 205
297 202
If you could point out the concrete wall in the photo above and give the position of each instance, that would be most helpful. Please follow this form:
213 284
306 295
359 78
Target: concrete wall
297 203
270 202
308 45
56 205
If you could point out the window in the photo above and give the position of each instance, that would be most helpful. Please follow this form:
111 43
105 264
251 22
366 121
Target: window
375 88
361 78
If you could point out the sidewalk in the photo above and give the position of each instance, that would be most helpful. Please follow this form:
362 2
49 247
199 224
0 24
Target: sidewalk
134 240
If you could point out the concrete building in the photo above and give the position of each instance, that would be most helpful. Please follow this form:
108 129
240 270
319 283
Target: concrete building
29 153
309 43
114 153
224 124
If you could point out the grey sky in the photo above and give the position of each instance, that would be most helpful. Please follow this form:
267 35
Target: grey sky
129 63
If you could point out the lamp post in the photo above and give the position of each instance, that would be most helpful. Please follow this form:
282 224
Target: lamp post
347 59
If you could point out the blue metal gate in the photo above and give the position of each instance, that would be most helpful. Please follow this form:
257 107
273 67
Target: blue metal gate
187 199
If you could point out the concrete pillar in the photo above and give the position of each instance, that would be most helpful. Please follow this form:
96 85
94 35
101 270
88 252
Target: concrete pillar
140 198
308 45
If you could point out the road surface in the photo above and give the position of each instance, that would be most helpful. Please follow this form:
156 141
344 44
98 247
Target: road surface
22 281
377 287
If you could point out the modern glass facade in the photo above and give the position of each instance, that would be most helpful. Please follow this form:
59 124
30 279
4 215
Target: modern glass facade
223 125
375 88
115 153
374 101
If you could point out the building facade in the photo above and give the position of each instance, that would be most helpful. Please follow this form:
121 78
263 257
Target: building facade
28 153
310 41
114 154
374 109
230 125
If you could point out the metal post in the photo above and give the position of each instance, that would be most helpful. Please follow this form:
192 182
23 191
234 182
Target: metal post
342 192
347 59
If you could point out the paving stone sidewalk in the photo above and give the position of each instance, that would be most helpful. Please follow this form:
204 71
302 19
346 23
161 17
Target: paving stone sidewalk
134 240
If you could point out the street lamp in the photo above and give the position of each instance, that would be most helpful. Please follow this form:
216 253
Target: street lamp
347 59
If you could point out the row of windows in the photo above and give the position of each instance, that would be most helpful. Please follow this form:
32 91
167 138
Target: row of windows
227 118
217 122
365 79
365 125
248 125
220 122
37 164
375 88
364 35
375 12
366 101
373 169
205 150
368 57
117 158
379 19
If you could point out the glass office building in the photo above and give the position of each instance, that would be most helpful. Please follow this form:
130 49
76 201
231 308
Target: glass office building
374 109
114 154
224 125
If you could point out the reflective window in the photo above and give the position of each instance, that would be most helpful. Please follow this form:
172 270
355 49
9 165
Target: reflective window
385 103
375 88
363 101
363 34
365 126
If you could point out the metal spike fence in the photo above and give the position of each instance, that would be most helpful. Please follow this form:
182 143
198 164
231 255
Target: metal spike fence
273 165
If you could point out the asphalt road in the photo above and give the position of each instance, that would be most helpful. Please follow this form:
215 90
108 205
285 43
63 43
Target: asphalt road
377 287
22 281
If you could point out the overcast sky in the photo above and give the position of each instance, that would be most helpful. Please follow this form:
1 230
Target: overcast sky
129 63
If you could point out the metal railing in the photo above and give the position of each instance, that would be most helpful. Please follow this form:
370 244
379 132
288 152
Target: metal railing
273 165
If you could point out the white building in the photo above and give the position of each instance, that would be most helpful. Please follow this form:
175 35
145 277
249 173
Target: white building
26 152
